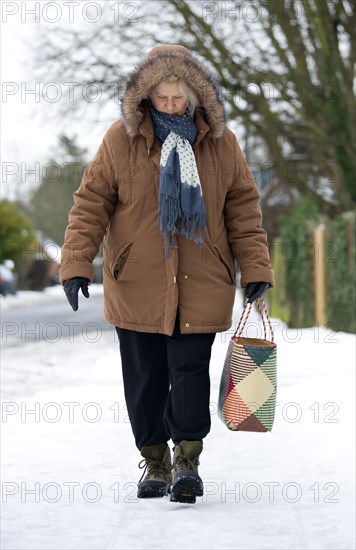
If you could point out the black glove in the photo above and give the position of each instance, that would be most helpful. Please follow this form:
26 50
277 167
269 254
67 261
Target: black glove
255 290
71 288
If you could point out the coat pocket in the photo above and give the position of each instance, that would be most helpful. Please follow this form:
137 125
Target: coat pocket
229 266
120 261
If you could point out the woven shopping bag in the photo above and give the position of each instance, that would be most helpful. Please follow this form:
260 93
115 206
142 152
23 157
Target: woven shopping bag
248 386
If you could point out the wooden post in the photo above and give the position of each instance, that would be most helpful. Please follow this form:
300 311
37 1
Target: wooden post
350 237
319 276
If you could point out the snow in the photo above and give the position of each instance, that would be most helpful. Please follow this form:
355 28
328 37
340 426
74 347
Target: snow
69 467
25 298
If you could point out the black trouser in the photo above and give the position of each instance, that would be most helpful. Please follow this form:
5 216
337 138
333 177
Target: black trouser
166 384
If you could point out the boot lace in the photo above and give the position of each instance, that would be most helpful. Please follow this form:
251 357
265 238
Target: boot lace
183 462
155 468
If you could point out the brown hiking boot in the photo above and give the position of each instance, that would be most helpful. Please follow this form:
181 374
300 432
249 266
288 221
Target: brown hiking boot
157 467
186 482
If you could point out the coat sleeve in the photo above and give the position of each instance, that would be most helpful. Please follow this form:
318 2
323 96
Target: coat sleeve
94 203
243 219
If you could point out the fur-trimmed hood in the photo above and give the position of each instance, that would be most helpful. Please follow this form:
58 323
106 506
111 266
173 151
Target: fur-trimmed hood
160 62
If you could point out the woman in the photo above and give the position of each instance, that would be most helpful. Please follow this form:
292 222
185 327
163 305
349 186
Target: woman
170 193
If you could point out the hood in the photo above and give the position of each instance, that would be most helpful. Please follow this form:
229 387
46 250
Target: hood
160 62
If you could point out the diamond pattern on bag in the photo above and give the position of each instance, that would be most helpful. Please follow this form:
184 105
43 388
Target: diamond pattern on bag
248 385
259 355
247 396
250 424
255 389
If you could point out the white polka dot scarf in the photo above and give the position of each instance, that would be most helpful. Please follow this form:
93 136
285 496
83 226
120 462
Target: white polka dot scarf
181 204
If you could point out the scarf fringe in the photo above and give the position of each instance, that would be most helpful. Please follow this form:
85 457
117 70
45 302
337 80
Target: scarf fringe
170 210
172 220
191 226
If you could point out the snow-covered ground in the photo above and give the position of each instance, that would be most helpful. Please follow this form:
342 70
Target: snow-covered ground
51 294
69 463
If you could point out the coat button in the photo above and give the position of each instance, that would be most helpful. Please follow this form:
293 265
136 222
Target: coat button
185 276
174 279
187 325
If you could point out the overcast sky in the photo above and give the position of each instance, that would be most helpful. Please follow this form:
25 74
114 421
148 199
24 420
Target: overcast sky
27 135
29 131
23 138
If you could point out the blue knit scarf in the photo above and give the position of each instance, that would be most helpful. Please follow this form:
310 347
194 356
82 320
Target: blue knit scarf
181 203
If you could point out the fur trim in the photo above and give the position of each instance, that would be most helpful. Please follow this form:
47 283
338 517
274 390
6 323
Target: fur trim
160 62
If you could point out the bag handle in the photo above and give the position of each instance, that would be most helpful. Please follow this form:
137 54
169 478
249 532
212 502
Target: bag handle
245 314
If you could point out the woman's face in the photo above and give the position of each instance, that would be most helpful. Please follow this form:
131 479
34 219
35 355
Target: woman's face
167 98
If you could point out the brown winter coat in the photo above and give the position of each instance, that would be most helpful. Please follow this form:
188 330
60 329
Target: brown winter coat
118 201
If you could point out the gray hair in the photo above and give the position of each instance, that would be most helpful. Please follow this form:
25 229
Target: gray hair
187 92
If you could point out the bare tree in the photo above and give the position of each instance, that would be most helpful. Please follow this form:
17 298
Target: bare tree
286 70
291 65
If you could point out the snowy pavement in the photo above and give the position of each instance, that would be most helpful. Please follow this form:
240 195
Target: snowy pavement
69 463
